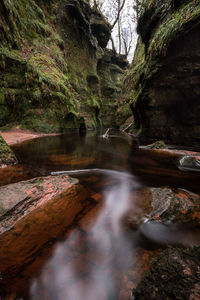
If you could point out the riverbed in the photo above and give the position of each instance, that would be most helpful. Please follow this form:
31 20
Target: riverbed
99 256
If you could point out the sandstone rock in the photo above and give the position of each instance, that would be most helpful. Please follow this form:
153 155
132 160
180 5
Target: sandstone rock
34 213
18 199
162 205
174 205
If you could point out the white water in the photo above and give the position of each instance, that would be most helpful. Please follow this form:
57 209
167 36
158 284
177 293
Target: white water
90 264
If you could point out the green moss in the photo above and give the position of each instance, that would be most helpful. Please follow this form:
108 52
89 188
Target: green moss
40 121
2 96
173 275
6 154
175 24
4 114
158 25
157 145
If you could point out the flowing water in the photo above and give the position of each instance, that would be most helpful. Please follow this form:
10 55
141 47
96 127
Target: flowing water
99 256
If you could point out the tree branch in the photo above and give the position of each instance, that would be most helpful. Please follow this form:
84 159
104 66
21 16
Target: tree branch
118 14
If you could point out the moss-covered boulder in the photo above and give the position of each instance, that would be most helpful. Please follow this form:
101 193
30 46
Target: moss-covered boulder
163 83
7 156
173 275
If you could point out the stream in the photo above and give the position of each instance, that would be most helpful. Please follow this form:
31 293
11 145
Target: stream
99 256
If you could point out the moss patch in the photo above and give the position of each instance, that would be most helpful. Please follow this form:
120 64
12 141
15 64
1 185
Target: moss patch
7 157
173 275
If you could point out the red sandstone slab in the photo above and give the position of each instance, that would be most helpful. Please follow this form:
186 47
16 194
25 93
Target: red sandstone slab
33 213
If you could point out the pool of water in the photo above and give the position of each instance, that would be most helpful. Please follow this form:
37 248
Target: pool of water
98 256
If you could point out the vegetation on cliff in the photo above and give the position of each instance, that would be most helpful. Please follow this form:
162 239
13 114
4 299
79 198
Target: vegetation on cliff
7 156
49 56
34 88
161 24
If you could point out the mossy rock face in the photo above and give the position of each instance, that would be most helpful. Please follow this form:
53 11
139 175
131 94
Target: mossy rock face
157 145
163 83
173 275
7 156
49 58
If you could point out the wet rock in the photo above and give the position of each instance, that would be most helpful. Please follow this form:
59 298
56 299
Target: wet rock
34 215
189 163
162 205
140 207
174 205
18 199
173 275
7 156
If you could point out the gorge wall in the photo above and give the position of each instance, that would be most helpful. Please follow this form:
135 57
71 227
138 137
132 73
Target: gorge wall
163 85
55 72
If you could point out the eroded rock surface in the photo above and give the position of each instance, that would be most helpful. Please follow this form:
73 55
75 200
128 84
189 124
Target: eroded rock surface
34 213
17 200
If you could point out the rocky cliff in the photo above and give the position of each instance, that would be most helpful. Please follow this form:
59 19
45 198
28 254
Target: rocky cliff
163 85
51 56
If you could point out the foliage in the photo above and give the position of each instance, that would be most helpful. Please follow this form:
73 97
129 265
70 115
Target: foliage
165 22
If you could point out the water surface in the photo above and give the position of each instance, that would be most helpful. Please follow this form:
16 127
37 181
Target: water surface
98 256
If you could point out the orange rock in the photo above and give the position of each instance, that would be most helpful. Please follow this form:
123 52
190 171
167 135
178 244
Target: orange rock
31 221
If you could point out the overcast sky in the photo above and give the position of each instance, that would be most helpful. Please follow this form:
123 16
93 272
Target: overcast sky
108 7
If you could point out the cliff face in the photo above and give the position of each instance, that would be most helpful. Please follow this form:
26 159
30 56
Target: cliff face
164 82
49 53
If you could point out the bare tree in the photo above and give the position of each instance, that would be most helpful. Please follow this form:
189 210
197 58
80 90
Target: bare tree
122 17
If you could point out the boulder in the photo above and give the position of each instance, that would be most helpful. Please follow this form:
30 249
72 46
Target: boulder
33 214
164 206
173 275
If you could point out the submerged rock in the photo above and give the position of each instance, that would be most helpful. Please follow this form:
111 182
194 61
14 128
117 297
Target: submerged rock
173 275
189 163
7 156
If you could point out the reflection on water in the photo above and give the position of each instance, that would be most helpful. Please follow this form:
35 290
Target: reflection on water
98 256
